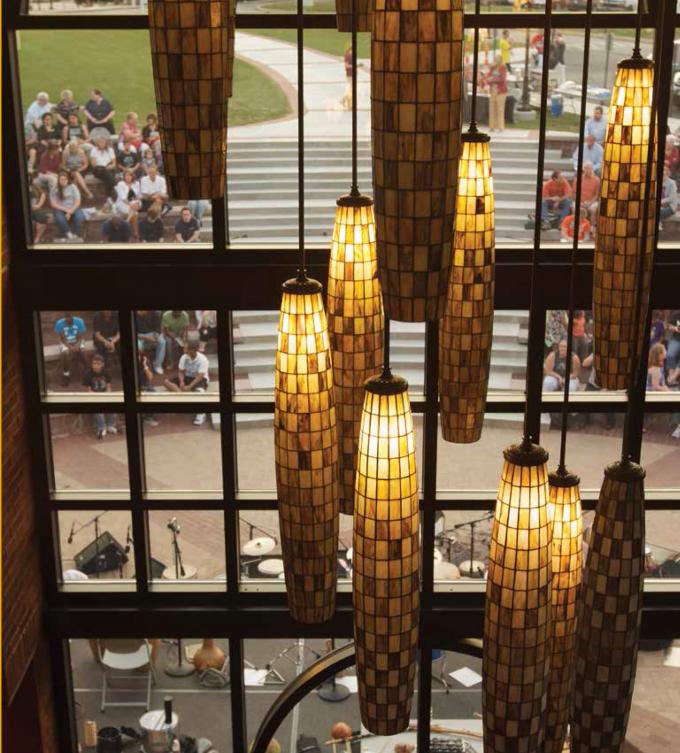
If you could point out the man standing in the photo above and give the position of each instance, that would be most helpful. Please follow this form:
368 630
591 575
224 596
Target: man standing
596 126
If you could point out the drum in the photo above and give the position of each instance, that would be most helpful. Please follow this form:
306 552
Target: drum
271 568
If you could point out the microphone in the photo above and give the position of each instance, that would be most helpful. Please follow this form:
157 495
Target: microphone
73 530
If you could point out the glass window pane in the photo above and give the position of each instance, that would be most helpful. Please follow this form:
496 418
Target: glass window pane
81 351
661 450
177 352
462 539
182 452
662 544
96 547
201 709
89 452
260 546
85 135
255 451
187 545
456 707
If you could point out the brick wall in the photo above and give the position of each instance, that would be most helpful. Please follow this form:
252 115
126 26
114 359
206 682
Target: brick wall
25 656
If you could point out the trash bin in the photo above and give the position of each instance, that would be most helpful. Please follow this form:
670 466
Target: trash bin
109 740
556 105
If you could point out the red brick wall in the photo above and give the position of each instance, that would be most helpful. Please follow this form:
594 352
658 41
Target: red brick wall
25 657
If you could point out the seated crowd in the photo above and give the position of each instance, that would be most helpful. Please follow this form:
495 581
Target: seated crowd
170 345
559 194
73 149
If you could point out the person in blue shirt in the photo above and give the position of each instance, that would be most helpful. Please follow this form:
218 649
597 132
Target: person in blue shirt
592 152
71 330
596 126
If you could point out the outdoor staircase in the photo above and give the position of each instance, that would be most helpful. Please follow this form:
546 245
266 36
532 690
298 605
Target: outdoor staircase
263 187
255 347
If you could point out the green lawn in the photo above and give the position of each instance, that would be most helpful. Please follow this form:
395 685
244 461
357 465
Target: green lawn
329 41
119 63
568 121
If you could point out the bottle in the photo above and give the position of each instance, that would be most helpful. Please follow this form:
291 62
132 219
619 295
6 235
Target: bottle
167 706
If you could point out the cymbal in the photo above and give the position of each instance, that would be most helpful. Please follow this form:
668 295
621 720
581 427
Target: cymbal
272 567
261 545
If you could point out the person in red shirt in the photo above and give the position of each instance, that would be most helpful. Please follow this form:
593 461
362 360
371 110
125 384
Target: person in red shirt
556 196
671 156
590 192
49 167
567 228
497 79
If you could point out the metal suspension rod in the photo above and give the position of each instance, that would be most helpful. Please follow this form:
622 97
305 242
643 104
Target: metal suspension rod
574 249
537 222
355 182
301 137
475 71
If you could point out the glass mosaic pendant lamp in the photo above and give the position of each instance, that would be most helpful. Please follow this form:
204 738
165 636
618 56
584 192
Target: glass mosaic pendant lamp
192 54
386 556
416 79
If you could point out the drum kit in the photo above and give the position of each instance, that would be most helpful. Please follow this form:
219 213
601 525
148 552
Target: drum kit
254 553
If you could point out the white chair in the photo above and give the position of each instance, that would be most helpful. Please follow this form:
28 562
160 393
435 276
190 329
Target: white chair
125 659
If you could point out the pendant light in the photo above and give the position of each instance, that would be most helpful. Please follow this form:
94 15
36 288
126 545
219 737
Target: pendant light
565 507
466 330
621 255
386 555
354 15
610 608
192 54
355 318
416 57
305 431
517 612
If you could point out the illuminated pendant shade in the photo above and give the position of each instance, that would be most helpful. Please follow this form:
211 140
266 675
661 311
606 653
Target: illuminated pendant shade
467 327
344 10
192 52
306 452
386 557
609 614
355 323
620 227
567 552
416 57
517 614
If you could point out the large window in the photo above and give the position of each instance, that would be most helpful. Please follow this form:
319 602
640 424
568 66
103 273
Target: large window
156 486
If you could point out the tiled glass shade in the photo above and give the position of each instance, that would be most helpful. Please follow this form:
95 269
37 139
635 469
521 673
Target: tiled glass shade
386 557
416 57
567 550
345 9
621 227
609 614
517 615
306 452
355 323
192 51
466 329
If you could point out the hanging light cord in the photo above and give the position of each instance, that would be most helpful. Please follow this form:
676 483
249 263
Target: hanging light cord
355 182
475 70
526 439
561 468
301 143
640 368
386 347
637 53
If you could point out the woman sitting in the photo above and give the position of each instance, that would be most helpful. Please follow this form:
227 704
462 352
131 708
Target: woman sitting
65 203
128 201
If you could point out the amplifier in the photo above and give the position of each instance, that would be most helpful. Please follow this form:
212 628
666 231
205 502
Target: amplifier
101 556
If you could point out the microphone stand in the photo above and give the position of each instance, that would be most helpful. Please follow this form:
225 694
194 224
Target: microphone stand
177 552
472 524
252 527
329 690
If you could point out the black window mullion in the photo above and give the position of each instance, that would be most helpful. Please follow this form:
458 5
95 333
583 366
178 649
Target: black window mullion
135 451
429 464
237 696
228 445
424 697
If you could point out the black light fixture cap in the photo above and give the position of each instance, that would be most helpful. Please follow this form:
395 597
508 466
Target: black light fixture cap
386 383
563 479
625 470
473 136
525 454
302 285
355 200
636 62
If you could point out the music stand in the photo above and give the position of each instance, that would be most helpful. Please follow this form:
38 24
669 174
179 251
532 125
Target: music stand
330 690
180 669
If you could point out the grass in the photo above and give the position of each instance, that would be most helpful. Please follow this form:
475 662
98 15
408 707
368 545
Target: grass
119 63
324 40
568 121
